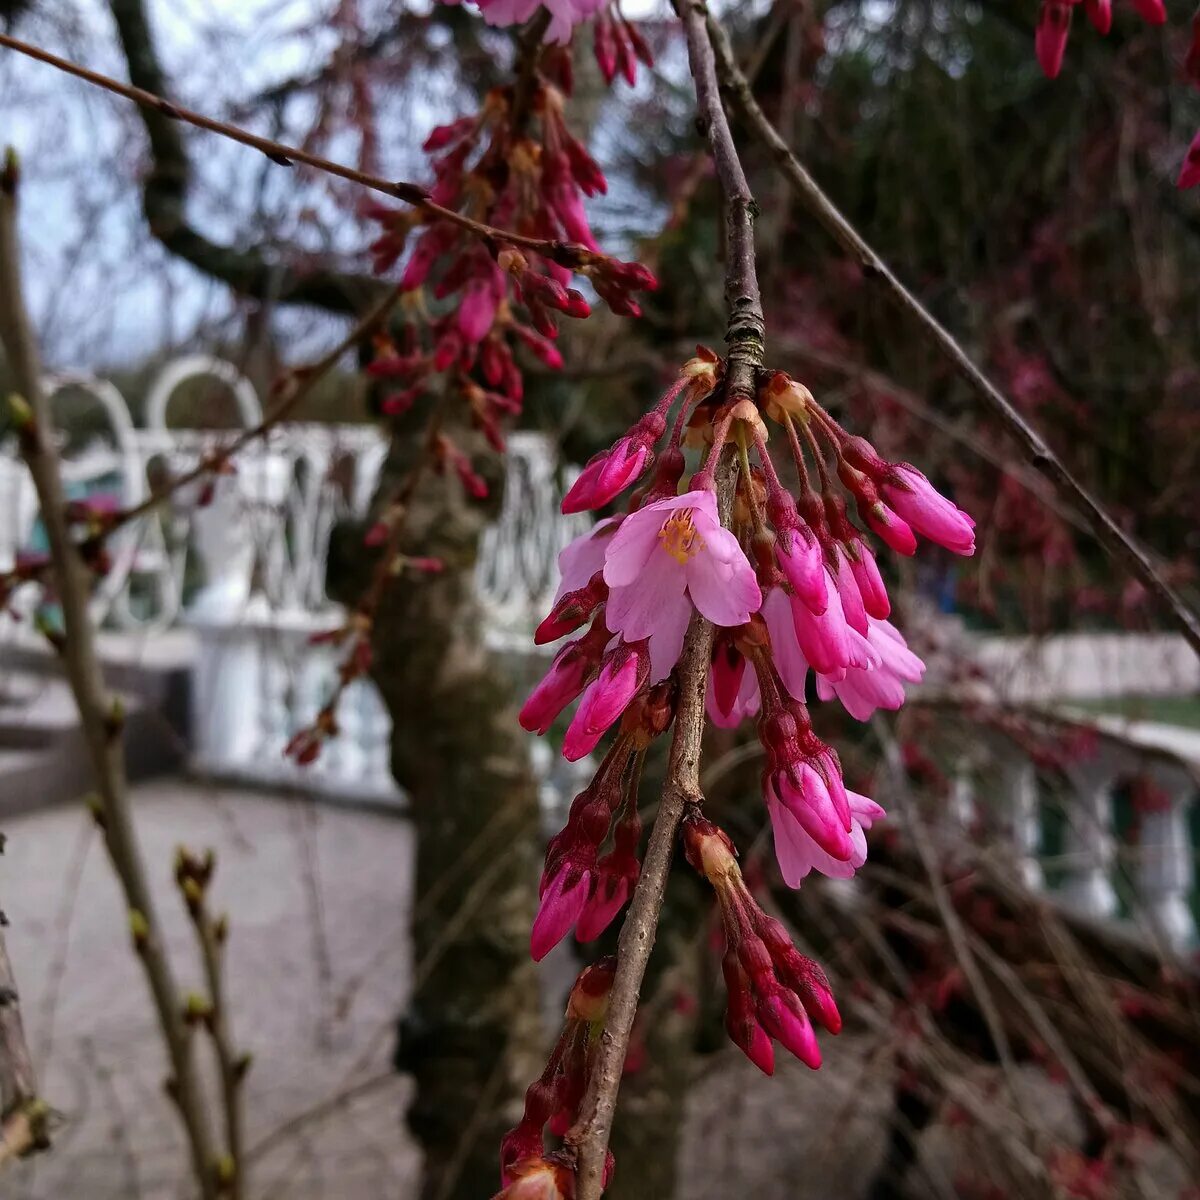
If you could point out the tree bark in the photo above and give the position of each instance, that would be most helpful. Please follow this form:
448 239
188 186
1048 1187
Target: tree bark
471 1036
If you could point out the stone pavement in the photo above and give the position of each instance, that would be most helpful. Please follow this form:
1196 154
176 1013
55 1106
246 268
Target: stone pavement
318 962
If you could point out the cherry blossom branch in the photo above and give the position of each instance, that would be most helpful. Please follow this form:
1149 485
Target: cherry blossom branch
745 341
1120 544
99 714
591 1132
567 254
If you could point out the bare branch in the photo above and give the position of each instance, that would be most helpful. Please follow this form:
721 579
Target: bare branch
24 1115
1119 543
99 715
567 254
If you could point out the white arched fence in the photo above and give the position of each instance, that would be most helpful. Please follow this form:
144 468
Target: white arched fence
240 562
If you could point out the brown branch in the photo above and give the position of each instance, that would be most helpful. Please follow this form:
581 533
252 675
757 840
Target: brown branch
745 338
1120 544
591 1132
24 1115
99 717
565 253
231 1066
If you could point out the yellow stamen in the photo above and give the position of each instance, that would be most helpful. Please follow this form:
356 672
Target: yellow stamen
679 537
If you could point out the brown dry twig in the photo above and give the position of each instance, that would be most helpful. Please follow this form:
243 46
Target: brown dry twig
100 714
567 254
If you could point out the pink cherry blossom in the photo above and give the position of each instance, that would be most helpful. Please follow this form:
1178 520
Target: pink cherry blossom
622 673
667 558
803 563
895 532
607 475
850 596
863 691
612 883
480 299
919 503
802 794
828 641
568 675
732 694
562 900
1100 14
1050 41
798 853
785 648
870 583
583 557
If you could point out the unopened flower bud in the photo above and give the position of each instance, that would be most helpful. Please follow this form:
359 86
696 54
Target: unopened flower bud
783 397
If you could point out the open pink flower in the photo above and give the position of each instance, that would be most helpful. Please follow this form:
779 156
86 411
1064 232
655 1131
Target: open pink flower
666 558
801 792
785 648
798 852
863 691
919 503
828 641
582 558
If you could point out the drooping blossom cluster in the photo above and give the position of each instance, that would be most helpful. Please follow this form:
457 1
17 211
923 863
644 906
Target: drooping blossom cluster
775 993
475 302
618 44
790 584
1054 28
527 1170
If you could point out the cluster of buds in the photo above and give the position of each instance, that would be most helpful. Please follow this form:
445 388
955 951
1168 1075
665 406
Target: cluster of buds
1054 28
1054 25
581 887
775 993
492 296
790 583
527 1170
619 45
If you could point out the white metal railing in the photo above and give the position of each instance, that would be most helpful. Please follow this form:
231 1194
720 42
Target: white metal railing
1107 832
243 567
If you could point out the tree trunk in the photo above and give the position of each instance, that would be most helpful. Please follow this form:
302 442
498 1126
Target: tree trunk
471 1036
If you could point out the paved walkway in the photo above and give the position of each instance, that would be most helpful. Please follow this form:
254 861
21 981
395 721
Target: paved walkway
318 964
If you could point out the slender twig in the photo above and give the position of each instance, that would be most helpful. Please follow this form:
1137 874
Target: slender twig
99 716
23 1126
1116 540
567 254
744 340
231 1065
